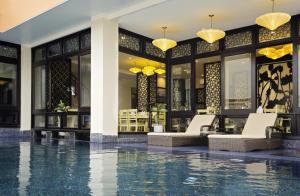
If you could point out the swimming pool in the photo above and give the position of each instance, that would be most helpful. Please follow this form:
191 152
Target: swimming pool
68 168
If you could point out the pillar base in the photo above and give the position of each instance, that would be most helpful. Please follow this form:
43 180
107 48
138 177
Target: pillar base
100 138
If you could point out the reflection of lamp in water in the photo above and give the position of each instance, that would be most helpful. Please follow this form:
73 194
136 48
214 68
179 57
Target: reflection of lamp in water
3 82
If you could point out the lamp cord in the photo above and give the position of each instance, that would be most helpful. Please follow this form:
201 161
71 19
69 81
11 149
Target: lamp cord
211 18
273 5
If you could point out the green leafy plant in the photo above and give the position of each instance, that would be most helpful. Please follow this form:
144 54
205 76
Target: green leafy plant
61 107
158 108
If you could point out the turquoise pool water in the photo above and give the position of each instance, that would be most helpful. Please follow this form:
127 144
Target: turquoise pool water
64 168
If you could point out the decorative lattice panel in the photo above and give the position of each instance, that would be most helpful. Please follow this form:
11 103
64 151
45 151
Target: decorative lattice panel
71 45
275 86
238 39
39 54
85 41
129 42
281 32
154 51
54 50
59 83
213 85
142 88
7 51
204 47
181 51
152 89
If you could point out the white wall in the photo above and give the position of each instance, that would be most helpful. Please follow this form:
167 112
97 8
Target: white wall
126 82
25 89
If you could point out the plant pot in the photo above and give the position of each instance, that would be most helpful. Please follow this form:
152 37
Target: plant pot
158 128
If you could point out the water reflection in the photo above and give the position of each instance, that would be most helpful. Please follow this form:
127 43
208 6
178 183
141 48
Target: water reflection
68 168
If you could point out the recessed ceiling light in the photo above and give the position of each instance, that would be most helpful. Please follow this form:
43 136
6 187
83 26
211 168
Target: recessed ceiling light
16 12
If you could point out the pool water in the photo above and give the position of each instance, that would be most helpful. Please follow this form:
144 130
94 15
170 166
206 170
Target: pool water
68 168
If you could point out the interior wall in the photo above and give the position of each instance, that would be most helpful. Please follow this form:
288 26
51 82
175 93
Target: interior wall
126 82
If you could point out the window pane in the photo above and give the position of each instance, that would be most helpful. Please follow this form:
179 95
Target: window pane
8 84
40 87
238 81
85 80
181 85
298 76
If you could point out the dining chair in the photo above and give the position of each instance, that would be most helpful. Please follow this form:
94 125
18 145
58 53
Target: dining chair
123 120
132 120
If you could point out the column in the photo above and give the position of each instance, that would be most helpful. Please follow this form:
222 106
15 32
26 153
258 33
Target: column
25 117
104 80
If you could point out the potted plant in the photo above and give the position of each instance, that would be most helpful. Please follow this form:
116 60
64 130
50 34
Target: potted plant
157 109
61 107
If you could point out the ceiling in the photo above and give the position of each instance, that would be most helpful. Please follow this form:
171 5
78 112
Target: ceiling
26 10
127 61
72 16
183 18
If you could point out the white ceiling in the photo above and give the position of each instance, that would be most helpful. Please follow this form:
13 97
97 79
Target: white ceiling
71 16
183 17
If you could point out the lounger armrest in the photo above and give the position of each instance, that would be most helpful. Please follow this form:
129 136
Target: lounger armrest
210 127
273 132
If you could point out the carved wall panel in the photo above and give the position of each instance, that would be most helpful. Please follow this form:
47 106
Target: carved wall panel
7 51
213 85
142 93
71 45
129 42
281 32
154 51
181 51
275 86
238 39
204 47
152 89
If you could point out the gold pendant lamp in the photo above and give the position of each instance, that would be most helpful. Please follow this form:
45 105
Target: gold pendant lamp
163 43
273 20
211 35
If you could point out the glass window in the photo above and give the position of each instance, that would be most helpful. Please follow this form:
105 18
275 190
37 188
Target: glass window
235 125
8 84
161 88
85 80
181 87
238 81
298 76
85 121
39 87
180 124
39 121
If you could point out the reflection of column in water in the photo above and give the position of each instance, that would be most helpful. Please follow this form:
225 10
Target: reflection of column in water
103 168
24 167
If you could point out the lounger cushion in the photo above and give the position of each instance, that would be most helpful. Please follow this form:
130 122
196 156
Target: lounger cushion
199 121
257 123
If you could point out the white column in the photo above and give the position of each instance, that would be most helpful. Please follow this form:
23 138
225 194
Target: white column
25 89
104 77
